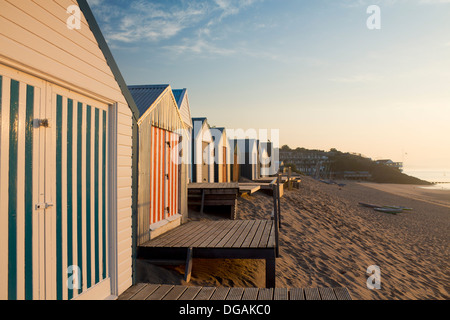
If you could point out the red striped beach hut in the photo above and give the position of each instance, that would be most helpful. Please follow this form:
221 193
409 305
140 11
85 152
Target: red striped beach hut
161 132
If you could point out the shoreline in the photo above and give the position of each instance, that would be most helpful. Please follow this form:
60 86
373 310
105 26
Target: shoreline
439 197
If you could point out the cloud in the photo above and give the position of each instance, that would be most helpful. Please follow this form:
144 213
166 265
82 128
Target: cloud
146 21
199 47
365 3
140 20
364 78
433 1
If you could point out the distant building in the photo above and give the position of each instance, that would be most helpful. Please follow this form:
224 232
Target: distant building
392 164
310 162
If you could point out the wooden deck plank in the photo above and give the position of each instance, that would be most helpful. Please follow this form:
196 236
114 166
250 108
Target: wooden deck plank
250 294
179 292
220 236
205 294
146 292
236 226
232 240
233 185
214 229
244 234
312 294
215 234
327 294
188 234
175 293
160 293
248 240
296 294
281 294
271 243
249 188
263 243
265 294
198 236
190 293
182 239
131 292
220 293
342 294
173 234
235 294
258 235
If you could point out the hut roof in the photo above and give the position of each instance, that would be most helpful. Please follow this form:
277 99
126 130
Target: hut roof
146 95
181 97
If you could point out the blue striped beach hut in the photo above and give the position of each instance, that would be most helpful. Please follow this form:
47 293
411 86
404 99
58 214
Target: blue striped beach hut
67 164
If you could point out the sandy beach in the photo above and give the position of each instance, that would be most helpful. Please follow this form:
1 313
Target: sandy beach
328 240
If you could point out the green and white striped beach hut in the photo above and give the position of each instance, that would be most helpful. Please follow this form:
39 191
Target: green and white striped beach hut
67 165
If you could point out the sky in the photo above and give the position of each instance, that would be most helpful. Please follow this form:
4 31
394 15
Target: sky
312 69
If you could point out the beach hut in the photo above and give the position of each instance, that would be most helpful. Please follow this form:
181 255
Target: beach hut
248 158
181 97
235 167
161 131
222 172
67 162
202 151
268 159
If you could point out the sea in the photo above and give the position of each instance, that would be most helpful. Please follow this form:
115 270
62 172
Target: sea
441 176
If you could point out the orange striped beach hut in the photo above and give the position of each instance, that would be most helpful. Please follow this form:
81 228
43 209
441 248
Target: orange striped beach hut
161 132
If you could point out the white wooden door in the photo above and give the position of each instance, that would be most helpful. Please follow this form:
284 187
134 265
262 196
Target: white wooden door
53 191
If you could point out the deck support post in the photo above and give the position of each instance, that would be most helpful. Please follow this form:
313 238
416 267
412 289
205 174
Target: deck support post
188 269
233 210
278 200
203 201
276 216
270 272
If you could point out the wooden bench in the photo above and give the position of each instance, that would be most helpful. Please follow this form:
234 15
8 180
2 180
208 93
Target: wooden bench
214 194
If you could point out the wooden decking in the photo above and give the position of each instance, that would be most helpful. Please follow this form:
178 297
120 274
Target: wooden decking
249 188
214 194
183 293
226 239
221 234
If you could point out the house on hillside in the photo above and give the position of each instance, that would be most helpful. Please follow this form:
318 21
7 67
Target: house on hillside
67 158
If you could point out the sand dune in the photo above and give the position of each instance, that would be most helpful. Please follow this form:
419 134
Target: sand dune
328 240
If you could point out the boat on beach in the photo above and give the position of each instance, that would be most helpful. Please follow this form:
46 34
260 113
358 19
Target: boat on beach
368 205
388 210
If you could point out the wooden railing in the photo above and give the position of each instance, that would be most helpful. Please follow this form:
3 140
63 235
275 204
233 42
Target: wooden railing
277 212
